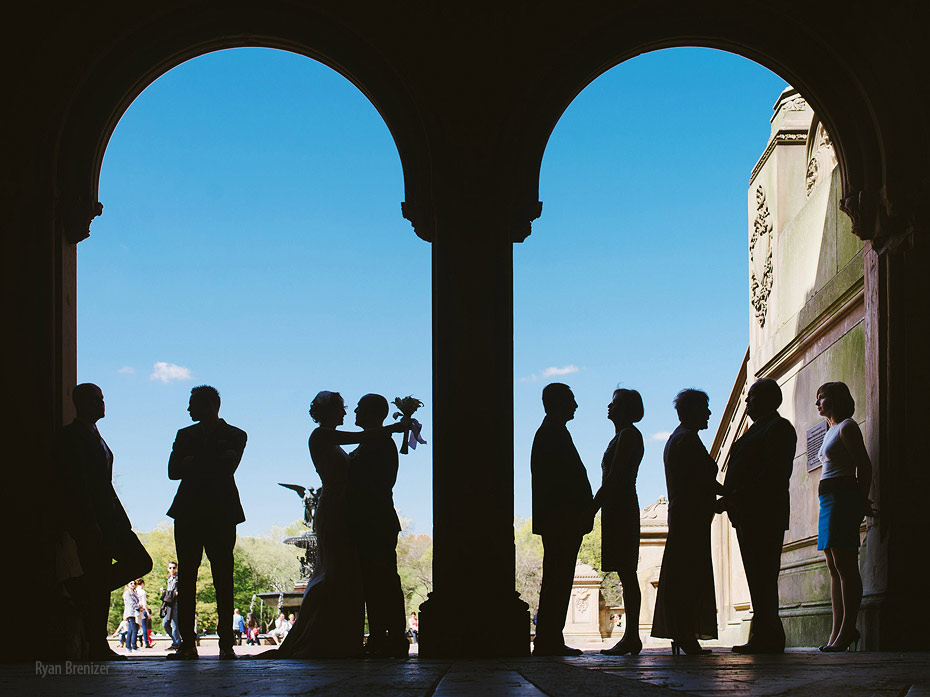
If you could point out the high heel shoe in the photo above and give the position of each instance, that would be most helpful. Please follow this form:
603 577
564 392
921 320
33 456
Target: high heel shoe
691 648
620 648
851 643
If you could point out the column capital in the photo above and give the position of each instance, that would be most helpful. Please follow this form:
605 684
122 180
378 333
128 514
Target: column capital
477 217
75 217
894 210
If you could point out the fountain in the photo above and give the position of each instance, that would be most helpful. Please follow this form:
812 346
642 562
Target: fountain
289 601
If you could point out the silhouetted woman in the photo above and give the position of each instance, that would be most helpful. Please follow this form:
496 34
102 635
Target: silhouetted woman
620 511
331 618
845 481
686 606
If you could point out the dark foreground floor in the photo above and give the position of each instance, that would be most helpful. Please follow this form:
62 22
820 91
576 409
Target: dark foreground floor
654 673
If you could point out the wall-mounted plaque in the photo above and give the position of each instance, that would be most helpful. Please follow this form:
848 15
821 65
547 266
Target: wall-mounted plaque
814 441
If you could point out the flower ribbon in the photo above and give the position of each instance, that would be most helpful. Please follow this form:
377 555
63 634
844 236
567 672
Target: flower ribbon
415 428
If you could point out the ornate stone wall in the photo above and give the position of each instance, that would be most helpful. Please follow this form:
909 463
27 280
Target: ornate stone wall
806 319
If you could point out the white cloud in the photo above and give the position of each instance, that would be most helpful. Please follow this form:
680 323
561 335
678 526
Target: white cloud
551 371
166 372
127 370
565 370
661 435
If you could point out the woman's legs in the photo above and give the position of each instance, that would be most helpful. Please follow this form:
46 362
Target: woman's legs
836 594
632 599
847 565
131 640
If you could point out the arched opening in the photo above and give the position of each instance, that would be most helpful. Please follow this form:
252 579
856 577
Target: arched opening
646 273
252 241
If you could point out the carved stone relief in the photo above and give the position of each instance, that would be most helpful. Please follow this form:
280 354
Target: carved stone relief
760 258
822 158
794 104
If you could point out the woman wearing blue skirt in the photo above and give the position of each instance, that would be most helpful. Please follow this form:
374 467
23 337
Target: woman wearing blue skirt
845 481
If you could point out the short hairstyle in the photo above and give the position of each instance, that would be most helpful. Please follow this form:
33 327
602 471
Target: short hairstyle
324 400
378 405
631 402
83 393
844 406
689 400
208 393
552 393
140 581
769 391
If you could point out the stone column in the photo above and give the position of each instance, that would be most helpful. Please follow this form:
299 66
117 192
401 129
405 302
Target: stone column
474 609
894 614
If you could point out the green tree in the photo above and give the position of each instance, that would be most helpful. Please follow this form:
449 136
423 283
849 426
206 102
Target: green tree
529 555
260 564
590 553
415 567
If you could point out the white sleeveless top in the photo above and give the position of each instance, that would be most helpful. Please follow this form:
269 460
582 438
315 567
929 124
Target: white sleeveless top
834 456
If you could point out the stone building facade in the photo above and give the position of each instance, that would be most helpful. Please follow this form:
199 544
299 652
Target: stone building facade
806 318
806 312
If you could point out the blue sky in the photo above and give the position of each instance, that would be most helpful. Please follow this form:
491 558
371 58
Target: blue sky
252 239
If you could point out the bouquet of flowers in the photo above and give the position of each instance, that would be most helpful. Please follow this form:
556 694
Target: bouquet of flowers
407 406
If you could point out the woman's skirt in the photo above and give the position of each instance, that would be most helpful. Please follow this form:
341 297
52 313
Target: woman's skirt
686 603
620 534
841 514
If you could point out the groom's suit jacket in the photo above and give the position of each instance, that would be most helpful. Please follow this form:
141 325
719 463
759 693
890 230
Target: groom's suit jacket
207 490
372 473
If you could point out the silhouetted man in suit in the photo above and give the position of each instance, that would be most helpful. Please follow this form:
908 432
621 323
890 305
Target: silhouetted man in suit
206 510
563 512
757 502
95 519
372 473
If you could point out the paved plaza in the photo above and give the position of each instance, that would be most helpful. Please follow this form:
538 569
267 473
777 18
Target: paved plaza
800 672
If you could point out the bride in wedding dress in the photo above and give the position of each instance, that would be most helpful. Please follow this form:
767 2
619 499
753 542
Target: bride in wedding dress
332 613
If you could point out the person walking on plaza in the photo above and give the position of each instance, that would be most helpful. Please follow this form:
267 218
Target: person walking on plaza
95 519
563 512
619 506
130 610
757 478
845 482
145 615
169 606
372 473
206 511
252 630
238 626
686 604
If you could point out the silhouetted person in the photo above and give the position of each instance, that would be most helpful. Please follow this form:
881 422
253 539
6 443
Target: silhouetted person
95 519
563 512
845 481
758 475
206 510
620 511
332 612
686 606
372 473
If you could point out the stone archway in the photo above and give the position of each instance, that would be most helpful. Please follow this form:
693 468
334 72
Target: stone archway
881 207
470 95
